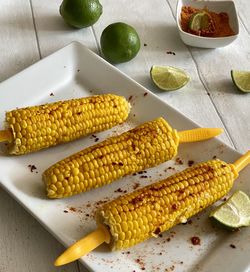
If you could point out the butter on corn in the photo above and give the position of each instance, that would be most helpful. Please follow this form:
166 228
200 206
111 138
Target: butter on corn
38 127
145 213
143 147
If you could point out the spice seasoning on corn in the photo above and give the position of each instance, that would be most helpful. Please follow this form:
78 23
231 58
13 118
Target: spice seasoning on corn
145 146
218 25
34 128
149 211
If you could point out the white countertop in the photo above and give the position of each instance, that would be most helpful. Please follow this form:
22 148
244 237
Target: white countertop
33 29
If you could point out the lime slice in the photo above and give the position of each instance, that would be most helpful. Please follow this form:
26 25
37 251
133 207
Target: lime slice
235 212
168 78
241 80
199 21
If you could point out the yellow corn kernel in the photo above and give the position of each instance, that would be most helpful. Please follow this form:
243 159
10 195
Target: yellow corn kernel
120 156
152 214
51 124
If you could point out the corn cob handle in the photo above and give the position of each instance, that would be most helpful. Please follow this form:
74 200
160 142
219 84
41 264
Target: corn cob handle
143 147
135 217
33 128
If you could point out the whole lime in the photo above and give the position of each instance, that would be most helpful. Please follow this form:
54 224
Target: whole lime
119 42
80 13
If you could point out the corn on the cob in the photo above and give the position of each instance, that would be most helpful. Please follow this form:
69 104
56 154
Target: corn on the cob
145 146
136 217
145 213
37 127
142 147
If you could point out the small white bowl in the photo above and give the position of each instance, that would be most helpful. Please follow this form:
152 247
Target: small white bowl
216 6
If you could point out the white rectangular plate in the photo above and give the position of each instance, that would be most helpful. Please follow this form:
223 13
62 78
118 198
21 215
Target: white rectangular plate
75 71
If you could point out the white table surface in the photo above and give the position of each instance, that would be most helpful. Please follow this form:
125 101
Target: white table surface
33 29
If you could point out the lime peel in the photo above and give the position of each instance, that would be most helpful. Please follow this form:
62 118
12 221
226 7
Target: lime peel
241 80
235 212
199 21
168 78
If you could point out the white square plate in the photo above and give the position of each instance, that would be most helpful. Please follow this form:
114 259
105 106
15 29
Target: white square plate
75 71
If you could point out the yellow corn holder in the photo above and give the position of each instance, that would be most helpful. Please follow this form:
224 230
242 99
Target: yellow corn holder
143 147
135 217
34 128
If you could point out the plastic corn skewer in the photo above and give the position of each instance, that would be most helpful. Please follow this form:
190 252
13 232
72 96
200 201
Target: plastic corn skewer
34 128
135 217
143 147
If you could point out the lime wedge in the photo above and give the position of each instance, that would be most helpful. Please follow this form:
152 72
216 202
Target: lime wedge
199 20
168 78
241 80
235 212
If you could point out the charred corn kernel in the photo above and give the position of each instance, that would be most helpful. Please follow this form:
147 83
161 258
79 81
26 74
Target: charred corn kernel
100 164
153 214
38 127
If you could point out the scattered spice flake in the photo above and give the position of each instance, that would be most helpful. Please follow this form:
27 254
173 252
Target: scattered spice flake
208 94
134 174
168 239
100 202
232 246
174 207
136 186
51 94
119 190
214 157
130 98
170 53
190 163
145 94
181 262
32 168
145 44
195 240
140 262
178 161
87 214
72 209
96 139
157 231
143 176
65 211
189 222
88 205
224 199
78 70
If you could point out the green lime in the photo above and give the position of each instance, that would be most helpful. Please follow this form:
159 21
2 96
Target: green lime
119 42
168 78
241 80
235 212
199 20
80 13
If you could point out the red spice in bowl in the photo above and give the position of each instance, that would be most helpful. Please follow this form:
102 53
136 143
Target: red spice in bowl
218 25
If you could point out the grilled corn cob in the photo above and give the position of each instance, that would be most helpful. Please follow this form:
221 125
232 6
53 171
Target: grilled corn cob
142 214
145 146
135 217
34 128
